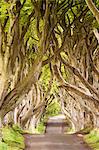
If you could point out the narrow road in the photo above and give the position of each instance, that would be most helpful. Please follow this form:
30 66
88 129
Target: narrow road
54 142
54 139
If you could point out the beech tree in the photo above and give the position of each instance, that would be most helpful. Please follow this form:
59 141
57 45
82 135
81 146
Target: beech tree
9 100
58 34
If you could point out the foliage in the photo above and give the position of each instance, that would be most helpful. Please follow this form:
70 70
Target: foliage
53 109
65 19
40 127
3 10
17 128
45 77
93 139
11 138
54 88
3 146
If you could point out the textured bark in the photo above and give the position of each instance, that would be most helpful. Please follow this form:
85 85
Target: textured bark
79 75
36 108
93 9
76 75
96 34
19 87
15 96
73 88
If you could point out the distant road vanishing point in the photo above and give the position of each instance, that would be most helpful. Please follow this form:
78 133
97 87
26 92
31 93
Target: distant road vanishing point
54 138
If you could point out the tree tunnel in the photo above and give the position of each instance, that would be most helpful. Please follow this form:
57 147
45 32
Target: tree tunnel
49 54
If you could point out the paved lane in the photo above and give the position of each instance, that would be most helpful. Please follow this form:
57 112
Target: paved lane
54 138
54 142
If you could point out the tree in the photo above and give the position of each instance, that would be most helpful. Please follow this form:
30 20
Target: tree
48 34
93 9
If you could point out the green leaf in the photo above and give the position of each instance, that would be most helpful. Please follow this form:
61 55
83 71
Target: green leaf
12 138
3 146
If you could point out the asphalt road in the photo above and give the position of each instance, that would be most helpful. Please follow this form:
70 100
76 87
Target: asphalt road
54 142
54 138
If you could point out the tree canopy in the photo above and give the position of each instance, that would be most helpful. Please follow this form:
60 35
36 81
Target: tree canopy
49 50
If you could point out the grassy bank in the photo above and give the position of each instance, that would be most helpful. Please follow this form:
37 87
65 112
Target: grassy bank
11 138
93 139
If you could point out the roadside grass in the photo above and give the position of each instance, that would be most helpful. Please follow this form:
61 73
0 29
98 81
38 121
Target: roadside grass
92 139
40 128
11 138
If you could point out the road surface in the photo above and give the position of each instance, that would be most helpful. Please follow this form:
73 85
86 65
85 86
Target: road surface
54 139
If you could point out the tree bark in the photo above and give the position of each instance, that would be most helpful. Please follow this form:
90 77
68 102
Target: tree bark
93 9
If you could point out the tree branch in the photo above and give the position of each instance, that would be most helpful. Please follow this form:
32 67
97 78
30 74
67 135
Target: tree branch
79 75
93 9
73 88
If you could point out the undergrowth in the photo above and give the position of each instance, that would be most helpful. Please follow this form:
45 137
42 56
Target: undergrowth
93 139
11 138
40 128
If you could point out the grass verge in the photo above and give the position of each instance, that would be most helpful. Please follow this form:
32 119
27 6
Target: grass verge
92 139
11 138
